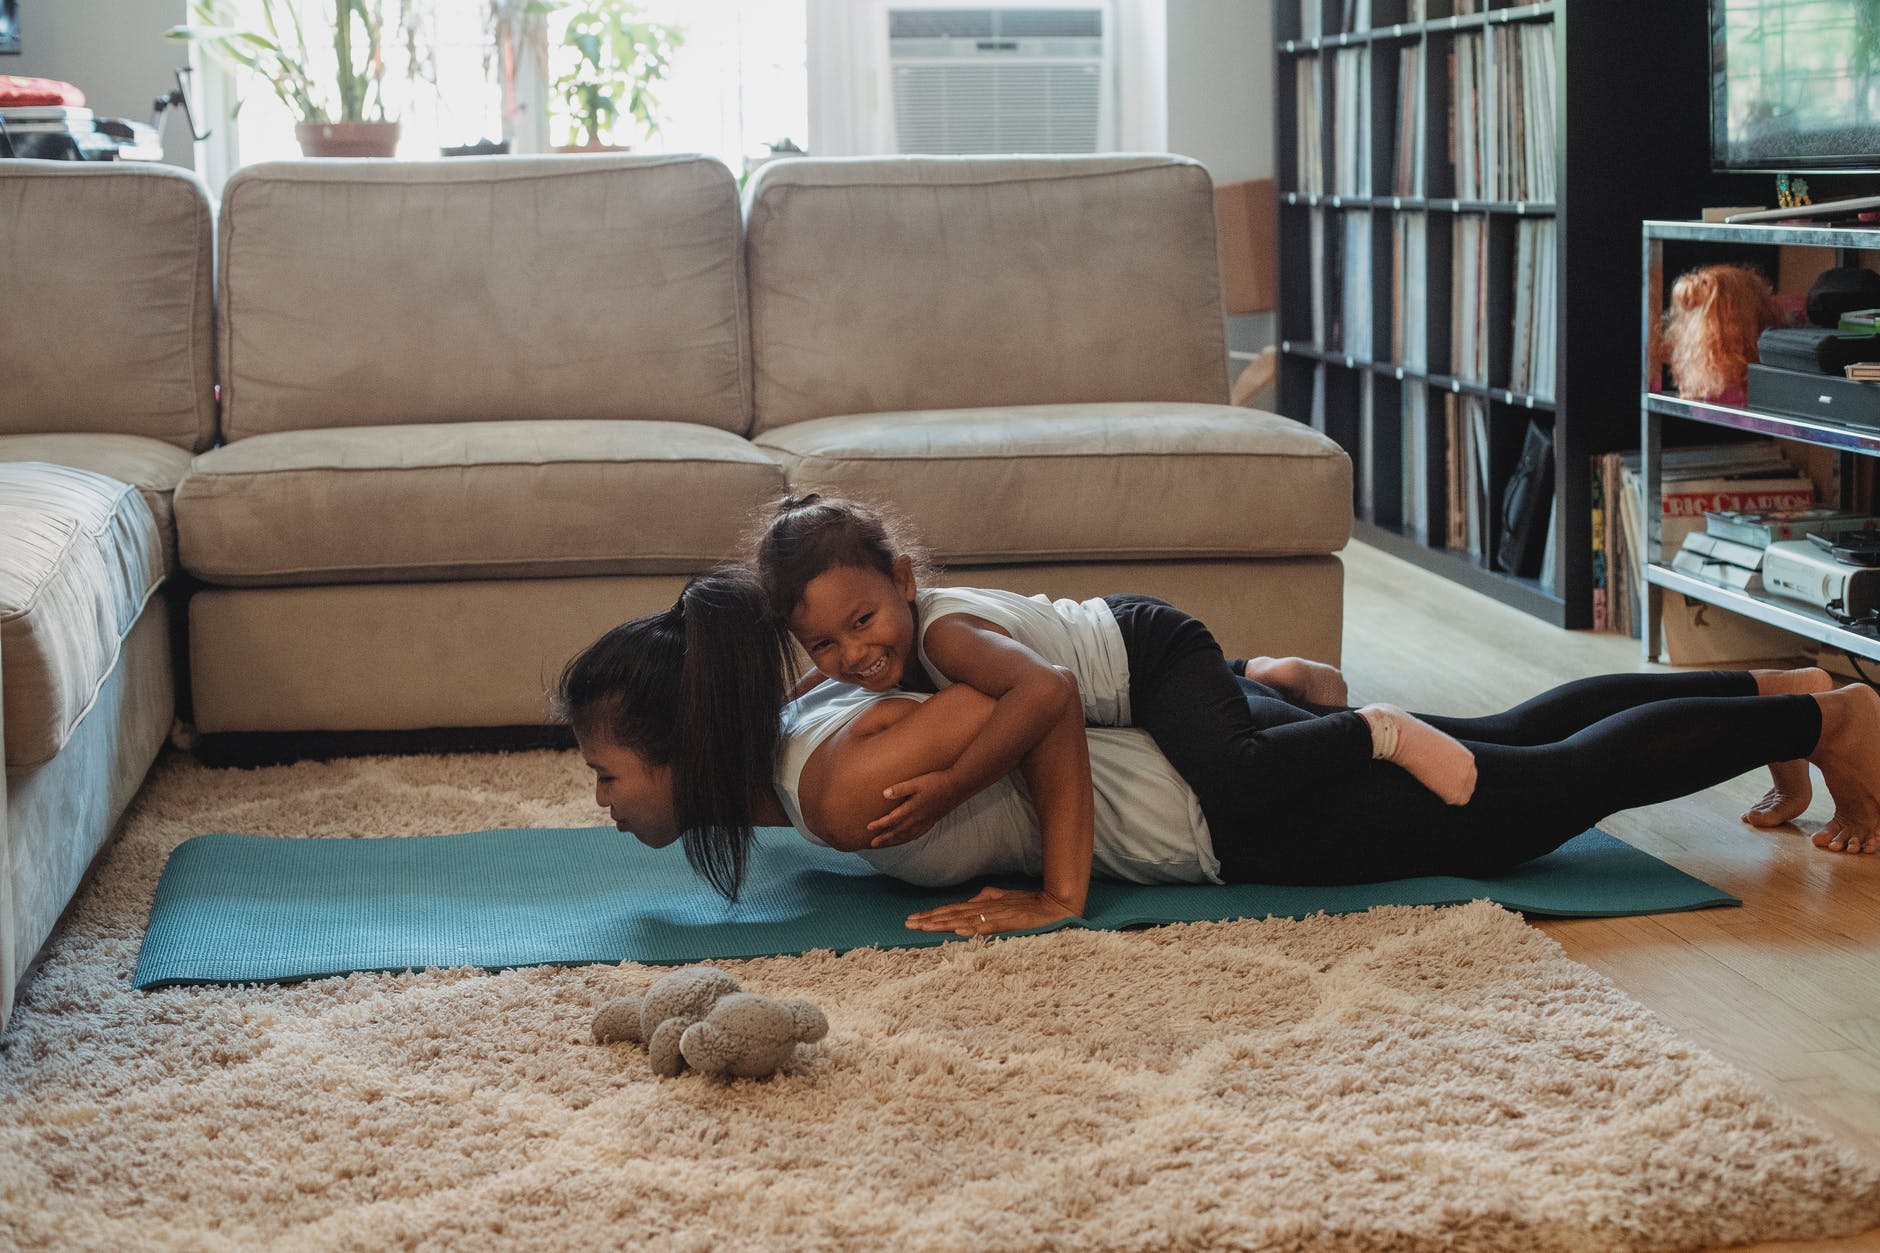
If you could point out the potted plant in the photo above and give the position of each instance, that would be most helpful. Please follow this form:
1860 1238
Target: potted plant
342 116
618 59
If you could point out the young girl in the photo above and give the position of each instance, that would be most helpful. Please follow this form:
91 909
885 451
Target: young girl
847 585
675 714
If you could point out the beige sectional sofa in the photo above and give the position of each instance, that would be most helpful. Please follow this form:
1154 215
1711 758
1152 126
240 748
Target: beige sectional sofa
474 412
106 392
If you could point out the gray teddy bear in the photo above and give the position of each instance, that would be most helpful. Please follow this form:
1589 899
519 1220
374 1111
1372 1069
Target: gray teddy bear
698 1017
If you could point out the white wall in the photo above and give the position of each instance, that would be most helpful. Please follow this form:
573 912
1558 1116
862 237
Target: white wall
1220 85
113 51
1220 112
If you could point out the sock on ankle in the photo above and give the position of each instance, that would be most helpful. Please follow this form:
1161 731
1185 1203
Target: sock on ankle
1437 760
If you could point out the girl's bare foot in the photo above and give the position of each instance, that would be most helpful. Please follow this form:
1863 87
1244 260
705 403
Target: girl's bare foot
1792 790
1805 681
1313 682
1848 755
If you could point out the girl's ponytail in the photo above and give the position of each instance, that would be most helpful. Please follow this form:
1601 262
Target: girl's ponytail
732 683
803 536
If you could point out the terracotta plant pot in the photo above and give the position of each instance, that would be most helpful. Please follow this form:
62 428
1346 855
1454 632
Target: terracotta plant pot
347 139
593 147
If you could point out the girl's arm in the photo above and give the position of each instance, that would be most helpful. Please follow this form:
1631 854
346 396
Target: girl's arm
843 785
1037 724
1032 696
843 781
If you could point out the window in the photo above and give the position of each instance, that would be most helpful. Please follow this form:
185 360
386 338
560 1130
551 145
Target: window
736 83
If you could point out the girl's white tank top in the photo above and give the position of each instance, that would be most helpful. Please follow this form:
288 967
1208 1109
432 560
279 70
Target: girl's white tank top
1080 635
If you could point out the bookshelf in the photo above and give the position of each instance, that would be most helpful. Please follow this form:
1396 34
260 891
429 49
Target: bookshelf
1662 412
1461 184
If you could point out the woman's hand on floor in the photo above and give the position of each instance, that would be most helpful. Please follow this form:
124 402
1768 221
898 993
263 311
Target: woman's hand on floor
993 910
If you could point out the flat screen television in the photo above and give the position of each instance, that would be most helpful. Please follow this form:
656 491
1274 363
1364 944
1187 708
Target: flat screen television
1795 85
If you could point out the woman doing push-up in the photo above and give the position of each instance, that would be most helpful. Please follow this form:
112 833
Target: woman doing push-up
677 715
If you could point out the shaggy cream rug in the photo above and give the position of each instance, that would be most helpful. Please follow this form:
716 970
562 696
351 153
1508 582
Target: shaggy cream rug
1405 1079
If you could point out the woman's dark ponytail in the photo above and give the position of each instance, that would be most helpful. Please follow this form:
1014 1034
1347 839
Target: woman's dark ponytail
697 687
733 681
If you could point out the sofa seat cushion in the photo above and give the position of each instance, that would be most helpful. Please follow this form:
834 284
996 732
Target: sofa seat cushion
79 558
1085 482
151 466
472 500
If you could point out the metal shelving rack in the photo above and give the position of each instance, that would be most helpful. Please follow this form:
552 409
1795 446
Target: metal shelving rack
1654 407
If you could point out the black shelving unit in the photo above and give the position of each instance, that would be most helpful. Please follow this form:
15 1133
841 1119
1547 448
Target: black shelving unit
1630 106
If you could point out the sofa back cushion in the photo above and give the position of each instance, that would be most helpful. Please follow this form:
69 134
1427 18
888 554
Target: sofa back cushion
106 324
368 293
918 283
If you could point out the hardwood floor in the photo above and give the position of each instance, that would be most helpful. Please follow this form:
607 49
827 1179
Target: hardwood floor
1786 987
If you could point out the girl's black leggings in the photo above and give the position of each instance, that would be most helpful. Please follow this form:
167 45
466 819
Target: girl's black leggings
1292 794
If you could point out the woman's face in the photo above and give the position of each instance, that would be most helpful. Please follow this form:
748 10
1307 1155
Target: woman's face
857 625
637 796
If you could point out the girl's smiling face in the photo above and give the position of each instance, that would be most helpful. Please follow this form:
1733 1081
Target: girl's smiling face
857 624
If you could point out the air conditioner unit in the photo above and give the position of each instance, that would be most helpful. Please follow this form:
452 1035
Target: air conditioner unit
991 80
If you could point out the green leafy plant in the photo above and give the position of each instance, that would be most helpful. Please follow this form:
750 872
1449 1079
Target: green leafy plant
619 60
280 52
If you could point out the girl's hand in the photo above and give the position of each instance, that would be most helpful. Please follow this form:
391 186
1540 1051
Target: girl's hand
925 800
992 911
1313 682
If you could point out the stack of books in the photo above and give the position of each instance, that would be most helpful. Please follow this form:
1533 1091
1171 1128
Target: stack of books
1750 477
1720 561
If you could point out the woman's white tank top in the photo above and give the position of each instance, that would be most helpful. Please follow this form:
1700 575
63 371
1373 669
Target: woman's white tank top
1149 825
1080 635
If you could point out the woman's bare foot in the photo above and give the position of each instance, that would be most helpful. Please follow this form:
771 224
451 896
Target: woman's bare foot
1793 790
1848 755
1788 799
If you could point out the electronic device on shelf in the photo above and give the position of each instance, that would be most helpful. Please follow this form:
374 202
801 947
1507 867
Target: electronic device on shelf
1802 571
1855 547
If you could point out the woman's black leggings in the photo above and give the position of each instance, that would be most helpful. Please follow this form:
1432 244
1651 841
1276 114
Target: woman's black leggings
1292 794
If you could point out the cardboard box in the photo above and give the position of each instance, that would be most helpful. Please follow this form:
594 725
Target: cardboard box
1700 634
1245 214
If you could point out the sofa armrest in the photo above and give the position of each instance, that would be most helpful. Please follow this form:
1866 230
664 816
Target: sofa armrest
9 957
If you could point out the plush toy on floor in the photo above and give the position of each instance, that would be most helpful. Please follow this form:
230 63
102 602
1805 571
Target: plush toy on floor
698 1017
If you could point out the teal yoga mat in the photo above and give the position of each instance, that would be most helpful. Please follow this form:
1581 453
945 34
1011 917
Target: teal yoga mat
252 909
